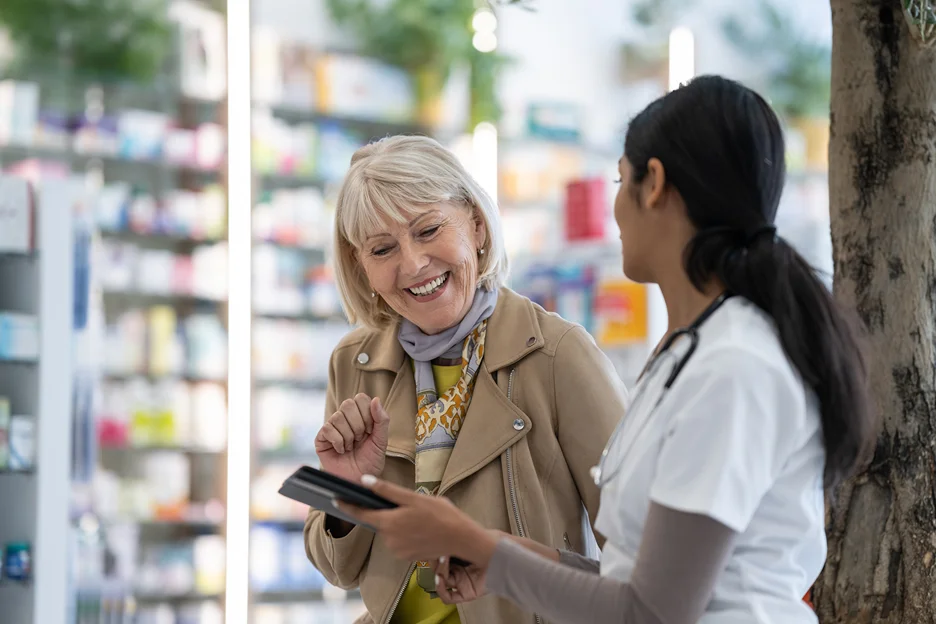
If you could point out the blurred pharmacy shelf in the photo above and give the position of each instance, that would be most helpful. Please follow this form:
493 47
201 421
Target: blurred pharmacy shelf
37 273
146 511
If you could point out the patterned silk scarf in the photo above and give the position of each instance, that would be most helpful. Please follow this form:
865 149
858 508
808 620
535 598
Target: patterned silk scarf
439 419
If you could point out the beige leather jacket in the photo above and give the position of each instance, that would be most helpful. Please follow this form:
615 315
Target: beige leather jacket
545 402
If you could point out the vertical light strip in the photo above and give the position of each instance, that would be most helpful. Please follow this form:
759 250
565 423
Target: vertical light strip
239 198
484 156
681 57
484 24
484 136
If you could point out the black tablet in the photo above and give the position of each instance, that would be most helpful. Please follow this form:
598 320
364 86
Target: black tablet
320 490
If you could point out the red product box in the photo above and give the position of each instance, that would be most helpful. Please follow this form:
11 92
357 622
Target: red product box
585 209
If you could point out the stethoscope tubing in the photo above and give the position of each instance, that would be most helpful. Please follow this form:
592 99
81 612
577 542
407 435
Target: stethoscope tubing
598 472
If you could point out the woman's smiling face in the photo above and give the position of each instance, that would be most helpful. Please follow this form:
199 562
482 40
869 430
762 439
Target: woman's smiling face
426 269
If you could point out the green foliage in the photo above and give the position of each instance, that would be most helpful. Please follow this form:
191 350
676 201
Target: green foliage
95 39
485 68
425 36
921 11
413 34
921 16
796 73
529 5
658 15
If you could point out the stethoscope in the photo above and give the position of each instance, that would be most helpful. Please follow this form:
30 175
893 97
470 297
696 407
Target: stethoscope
601 473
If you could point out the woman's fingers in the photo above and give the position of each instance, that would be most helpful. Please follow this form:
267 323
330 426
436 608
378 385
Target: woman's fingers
442 567
447 595
454 587
333 436
340 421
380 424
360 515
363 422
350 424
394 493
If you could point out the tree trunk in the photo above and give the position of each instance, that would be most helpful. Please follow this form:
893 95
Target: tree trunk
882 186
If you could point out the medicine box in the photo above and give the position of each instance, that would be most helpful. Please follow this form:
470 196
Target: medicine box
22 443
4 433
586 210
16 222
19 336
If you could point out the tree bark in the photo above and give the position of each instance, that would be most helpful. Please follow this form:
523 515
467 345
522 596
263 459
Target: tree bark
882 186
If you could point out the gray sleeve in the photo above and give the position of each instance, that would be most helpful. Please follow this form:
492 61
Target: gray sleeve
577 561
681 555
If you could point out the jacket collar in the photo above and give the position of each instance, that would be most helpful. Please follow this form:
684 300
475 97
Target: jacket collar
513 333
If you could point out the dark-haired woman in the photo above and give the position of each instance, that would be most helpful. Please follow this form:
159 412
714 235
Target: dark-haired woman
712 486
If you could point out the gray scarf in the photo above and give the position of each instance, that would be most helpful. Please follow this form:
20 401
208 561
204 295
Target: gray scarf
448 344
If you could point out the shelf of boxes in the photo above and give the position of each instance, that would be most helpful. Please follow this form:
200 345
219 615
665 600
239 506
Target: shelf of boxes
154 384
97 158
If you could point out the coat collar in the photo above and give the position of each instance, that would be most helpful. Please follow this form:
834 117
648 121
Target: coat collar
513 333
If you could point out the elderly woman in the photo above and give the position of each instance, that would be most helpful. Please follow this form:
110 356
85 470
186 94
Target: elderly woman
454 386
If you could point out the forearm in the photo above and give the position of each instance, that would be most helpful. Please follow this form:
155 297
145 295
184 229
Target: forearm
561 593
565 557
482 539
680 555
577 561
540 549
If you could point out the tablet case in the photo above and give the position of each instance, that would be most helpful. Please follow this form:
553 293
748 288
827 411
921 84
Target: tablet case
320 490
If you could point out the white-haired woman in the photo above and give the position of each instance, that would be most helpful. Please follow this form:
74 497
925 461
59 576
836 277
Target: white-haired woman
447 353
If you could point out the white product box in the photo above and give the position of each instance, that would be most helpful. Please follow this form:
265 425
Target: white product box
19 336
202 53
16 222
365 88
4 432
22 442
19 110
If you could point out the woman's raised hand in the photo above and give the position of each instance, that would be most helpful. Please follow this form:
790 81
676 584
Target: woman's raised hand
353 441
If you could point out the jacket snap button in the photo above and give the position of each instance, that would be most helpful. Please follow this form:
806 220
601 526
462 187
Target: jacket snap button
519 424
363 358
531 341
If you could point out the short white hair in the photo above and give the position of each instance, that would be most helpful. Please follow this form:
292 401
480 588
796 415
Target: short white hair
389 179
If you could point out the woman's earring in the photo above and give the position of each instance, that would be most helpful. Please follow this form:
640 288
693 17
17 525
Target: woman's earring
372 294
480 252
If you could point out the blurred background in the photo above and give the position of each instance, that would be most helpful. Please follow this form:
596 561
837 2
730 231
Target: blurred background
167 305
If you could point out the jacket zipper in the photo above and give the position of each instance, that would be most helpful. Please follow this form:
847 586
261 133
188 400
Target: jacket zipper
510 479
565 538
399 596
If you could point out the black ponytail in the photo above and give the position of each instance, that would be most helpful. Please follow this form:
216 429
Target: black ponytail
817 337
722 148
